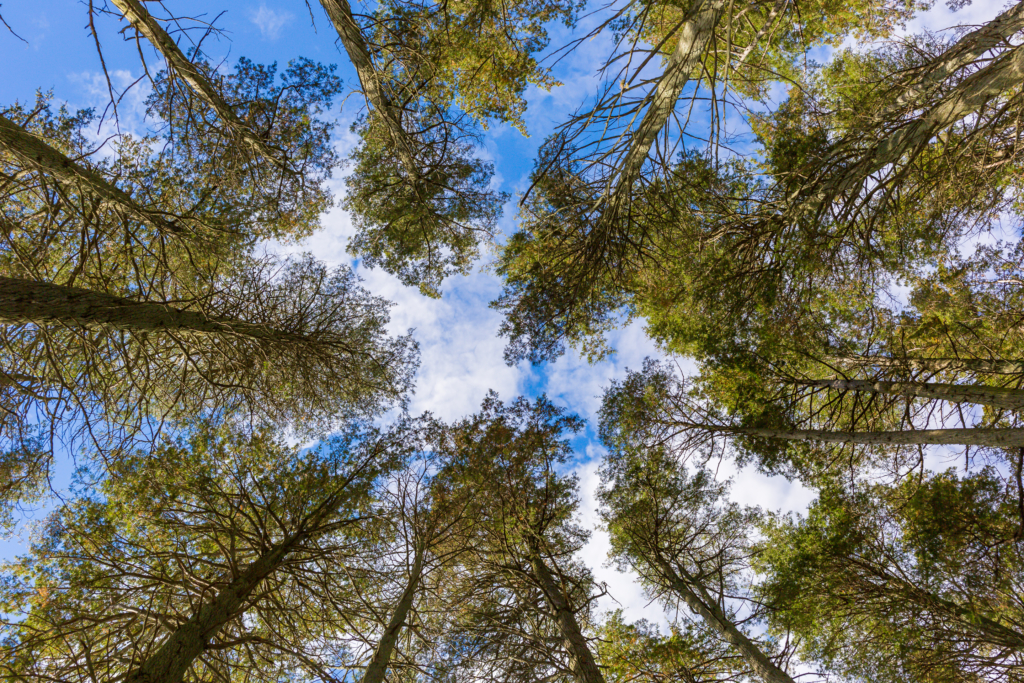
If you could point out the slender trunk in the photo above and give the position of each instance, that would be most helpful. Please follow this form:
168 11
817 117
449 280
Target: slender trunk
32 151
1005 73
340 14
584 667
703 604
170 662
996 438
964 52
378 666
144 23
29 301
958 393
993 631
1003 367
694 37
968 97
173 659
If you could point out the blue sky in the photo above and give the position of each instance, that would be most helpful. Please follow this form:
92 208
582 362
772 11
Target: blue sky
461 350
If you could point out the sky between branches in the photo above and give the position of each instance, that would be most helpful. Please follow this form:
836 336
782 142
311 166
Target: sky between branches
458 334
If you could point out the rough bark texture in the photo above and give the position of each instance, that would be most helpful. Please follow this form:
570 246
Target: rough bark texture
700 602
29 301
1003 367
378 666
144 23
584 666
172 660
958 393
969 96
996 438
694 37
968 49
340 14
33 152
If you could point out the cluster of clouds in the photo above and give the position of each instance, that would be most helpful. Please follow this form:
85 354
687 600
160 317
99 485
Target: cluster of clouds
270 22
461 350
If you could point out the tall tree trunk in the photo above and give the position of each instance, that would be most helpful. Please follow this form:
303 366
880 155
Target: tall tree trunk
584 666
968 97
996 438
965 51
697 598
958 393
29 301
33 152
145 24
170 662
378 666
694 37
1004 367
994 632
340 14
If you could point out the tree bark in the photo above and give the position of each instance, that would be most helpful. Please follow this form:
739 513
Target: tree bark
378 666
170 662
584 666
694 37
32 151
1004 367
700 602
996 438
144 23
340 14
999 397
965 51
968 97
32 302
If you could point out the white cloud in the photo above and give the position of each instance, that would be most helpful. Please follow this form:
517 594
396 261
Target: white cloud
269 21
129 117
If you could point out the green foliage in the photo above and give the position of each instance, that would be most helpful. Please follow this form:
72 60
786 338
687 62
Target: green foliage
24 477
912 581
452 552
249 196
134 558
477 55
426 223
640 652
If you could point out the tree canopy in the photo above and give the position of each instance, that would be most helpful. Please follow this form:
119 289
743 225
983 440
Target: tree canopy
815 211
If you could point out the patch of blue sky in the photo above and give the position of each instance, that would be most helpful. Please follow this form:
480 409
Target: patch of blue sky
461 349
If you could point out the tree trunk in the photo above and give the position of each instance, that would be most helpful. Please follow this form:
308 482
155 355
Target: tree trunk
145 24
32 151
996 438
32 302
584 666
957 393
1003 367
340 14
170 662
703 604
694 37
378 666
965 51
969 96
996 633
